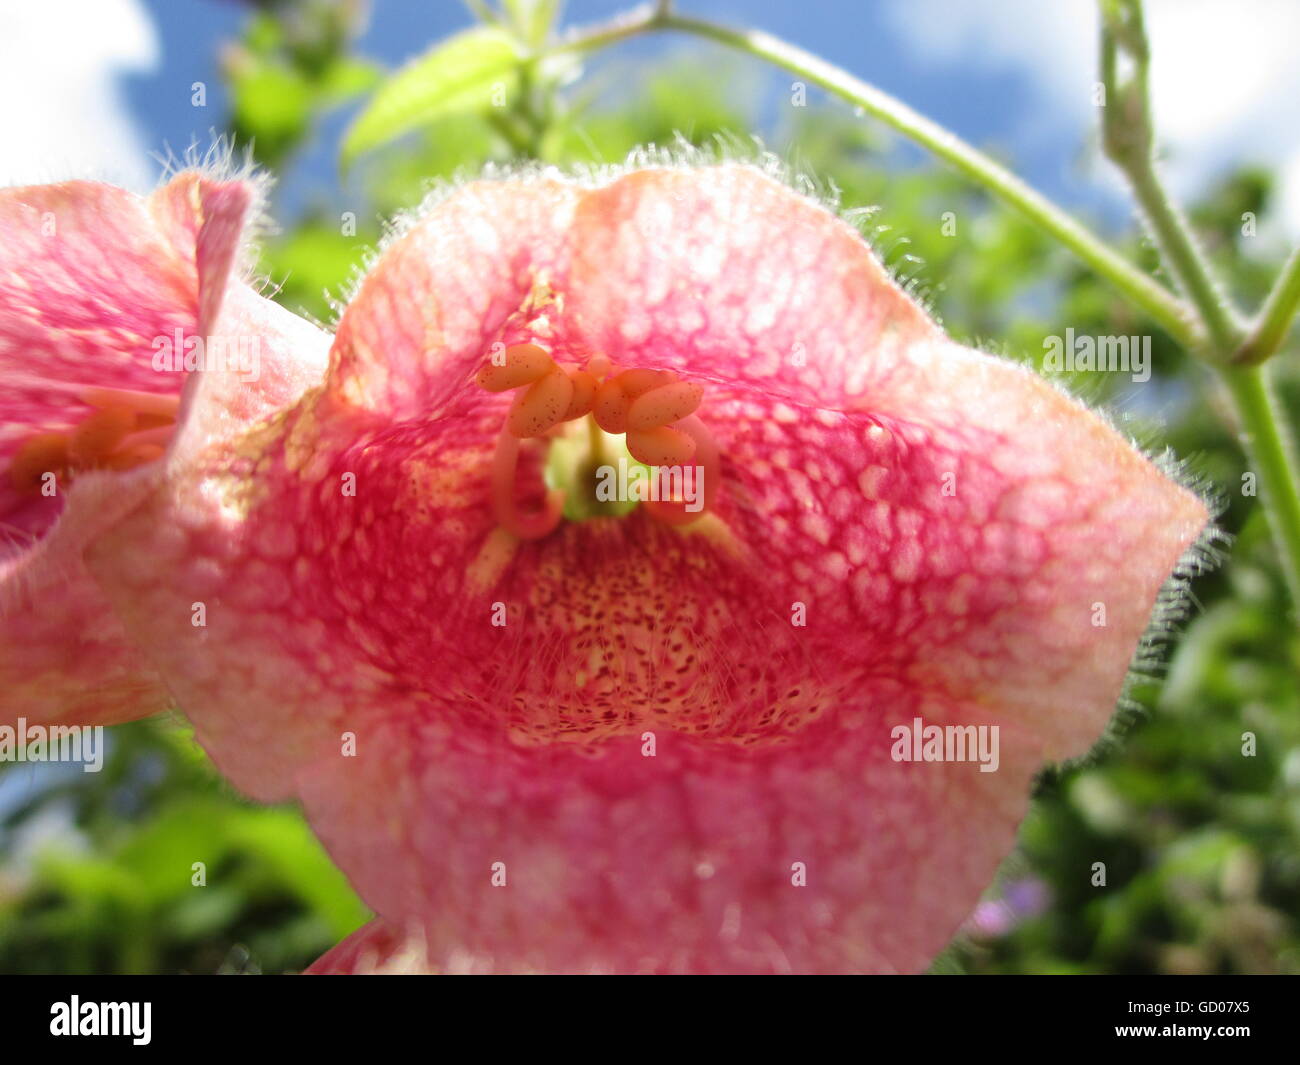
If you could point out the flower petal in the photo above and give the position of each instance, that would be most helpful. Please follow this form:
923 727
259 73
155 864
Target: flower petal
684 861
906 530
974 549
420 322
372 948
296 609
138 560
924 493
90 277
64 655
724 273
824 856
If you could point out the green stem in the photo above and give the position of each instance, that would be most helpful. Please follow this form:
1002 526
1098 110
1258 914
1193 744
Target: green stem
1273 456
1128 132
532 122
520 142
1129 139
1172 314
1183 258
1274 322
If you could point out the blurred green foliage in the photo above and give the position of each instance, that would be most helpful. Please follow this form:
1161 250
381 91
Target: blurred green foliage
1201 843
103 869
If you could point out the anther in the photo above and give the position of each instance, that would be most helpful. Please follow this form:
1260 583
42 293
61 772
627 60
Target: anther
610 407
674 512
654 408
522 364
541 406
584 394
639 381
125 428
661 445
664 405
143 403
98 435
146 438
38 455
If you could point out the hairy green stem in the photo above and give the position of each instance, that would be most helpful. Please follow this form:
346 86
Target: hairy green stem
1183 258
1270 328
1172 314
1129 139
1273 456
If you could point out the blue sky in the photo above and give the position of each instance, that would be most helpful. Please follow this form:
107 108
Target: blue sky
107 82
861 36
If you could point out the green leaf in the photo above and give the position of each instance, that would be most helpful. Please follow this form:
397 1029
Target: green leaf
457 75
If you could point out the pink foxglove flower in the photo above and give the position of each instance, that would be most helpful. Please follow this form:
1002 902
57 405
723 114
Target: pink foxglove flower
780 714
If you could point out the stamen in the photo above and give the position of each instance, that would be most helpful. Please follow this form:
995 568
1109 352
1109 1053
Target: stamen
584 394
505 464
159 435
39 455
522 365
674 512
639 381
661 446
616 394
124 429
654 408
154 421
665 404
610 407
98 436
167 406
542 405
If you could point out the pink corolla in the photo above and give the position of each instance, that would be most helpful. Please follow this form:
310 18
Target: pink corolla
541 729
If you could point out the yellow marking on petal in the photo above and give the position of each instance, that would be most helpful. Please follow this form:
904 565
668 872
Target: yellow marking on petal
661 446
523 364
716 531
541 406
664 405
492 559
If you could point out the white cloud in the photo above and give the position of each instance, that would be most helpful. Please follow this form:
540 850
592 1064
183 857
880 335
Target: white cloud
65 114
1225 82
